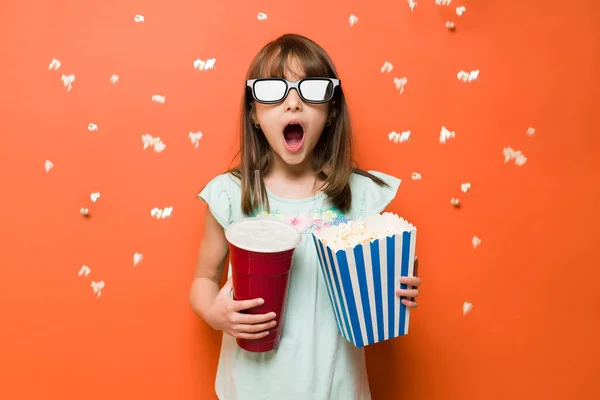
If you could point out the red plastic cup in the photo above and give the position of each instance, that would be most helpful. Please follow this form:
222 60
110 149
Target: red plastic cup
261 253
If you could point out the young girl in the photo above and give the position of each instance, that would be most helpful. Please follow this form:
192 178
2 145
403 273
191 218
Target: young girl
296 131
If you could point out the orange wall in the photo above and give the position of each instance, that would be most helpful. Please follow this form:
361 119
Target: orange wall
532 332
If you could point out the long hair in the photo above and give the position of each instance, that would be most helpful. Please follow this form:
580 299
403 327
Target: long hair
332 156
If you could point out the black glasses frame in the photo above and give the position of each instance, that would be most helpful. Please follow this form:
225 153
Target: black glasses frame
293 85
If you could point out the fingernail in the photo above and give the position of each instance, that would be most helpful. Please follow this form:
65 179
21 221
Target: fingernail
261 301
273 315
266 333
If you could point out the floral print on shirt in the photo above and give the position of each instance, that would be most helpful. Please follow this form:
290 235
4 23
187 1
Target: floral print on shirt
307 223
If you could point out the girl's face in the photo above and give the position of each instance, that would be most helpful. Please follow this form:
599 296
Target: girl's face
292 128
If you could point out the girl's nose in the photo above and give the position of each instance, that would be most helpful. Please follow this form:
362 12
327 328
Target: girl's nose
293 102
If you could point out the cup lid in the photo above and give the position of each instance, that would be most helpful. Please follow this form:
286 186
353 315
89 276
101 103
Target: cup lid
263 235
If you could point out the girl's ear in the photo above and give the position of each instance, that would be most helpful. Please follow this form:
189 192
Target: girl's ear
332 111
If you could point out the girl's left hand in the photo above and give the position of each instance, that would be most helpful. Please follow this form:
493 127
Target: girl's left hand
413 282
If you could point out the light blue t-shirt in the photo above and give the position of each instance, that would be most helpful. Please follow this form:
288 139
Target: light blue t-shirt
313 361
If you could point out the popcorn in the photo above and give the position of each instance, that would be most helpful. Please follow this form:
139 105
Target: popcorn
399 137
400 83
467 307
443 2
201 65
84 211
84 271
530 131
94 197
92 127
362 262
445 134
68 80
517 156
48 165
476 242
261 16
159 99
455 202
387 67
450 25
416 176
114 79
137 258
412 4
161 214
148 141
460 10
97 288
353 19
195 138
54 64
464 76
465 187
138 18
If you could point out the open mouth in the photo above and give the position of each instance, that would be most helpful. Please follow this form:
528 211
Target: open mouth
293 135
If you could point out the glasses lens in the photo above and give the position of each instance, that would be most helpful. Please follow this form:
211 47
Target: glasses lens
316 89
269 90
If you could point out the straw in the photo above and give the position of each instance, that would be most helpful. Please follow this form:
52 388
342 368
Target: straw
257 187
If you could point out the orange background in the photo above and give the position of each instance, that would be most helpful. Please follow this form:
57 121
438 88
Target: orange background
533 281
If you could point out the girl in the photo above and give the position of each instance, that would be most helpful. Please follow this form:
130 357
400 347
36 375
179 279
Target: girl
296 131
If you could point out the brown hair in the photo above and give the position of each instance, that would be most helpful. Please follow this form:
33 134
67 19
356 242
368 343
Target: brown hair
332 157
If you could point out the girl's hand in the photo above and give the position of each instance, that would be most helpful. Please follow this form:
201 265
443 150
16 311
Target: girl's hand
413 282
225 315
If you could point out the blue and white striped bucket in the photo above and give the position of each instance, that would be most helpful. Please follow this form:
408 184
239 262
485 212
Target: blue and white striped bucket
362 281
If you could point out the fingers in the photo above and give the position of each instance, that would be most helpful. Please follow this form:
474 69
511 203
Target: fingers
251 336
407 292
411 281
245 304
252 319
245 328
409 304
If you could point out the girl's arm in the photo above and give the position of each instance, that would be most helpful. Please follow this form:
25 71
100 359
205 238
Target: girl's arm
216 306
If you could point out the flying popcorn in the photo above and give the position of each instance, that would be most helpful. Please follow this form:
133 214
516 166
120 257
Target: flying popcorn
261 16
455 202
155 142
159 99
84 271
443 2
475 242
416 176
460 10
387 67
195 138
467 307
464 76
54 65
97 288
138 18
400 83
161 214
445 134
48 165
94 197
517 156
399 137
201 65
465 187
530 131
412 4
84 211
114 79
450 25
137 258
92 127
353 19
68 80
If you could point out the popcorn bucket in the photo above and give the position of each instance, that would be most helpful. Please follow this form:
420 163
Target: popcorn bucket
261 260
362 272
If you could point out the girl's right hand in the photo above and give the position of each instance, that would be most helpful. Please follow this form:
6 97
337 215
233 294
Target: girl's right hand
225 315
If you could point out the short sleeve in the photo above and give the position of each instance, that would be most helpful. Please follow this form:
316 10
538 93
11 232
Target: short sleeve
220 194
372 198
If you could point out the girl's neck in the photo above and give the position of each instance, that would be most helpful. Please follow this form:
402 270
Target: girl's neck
293 182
